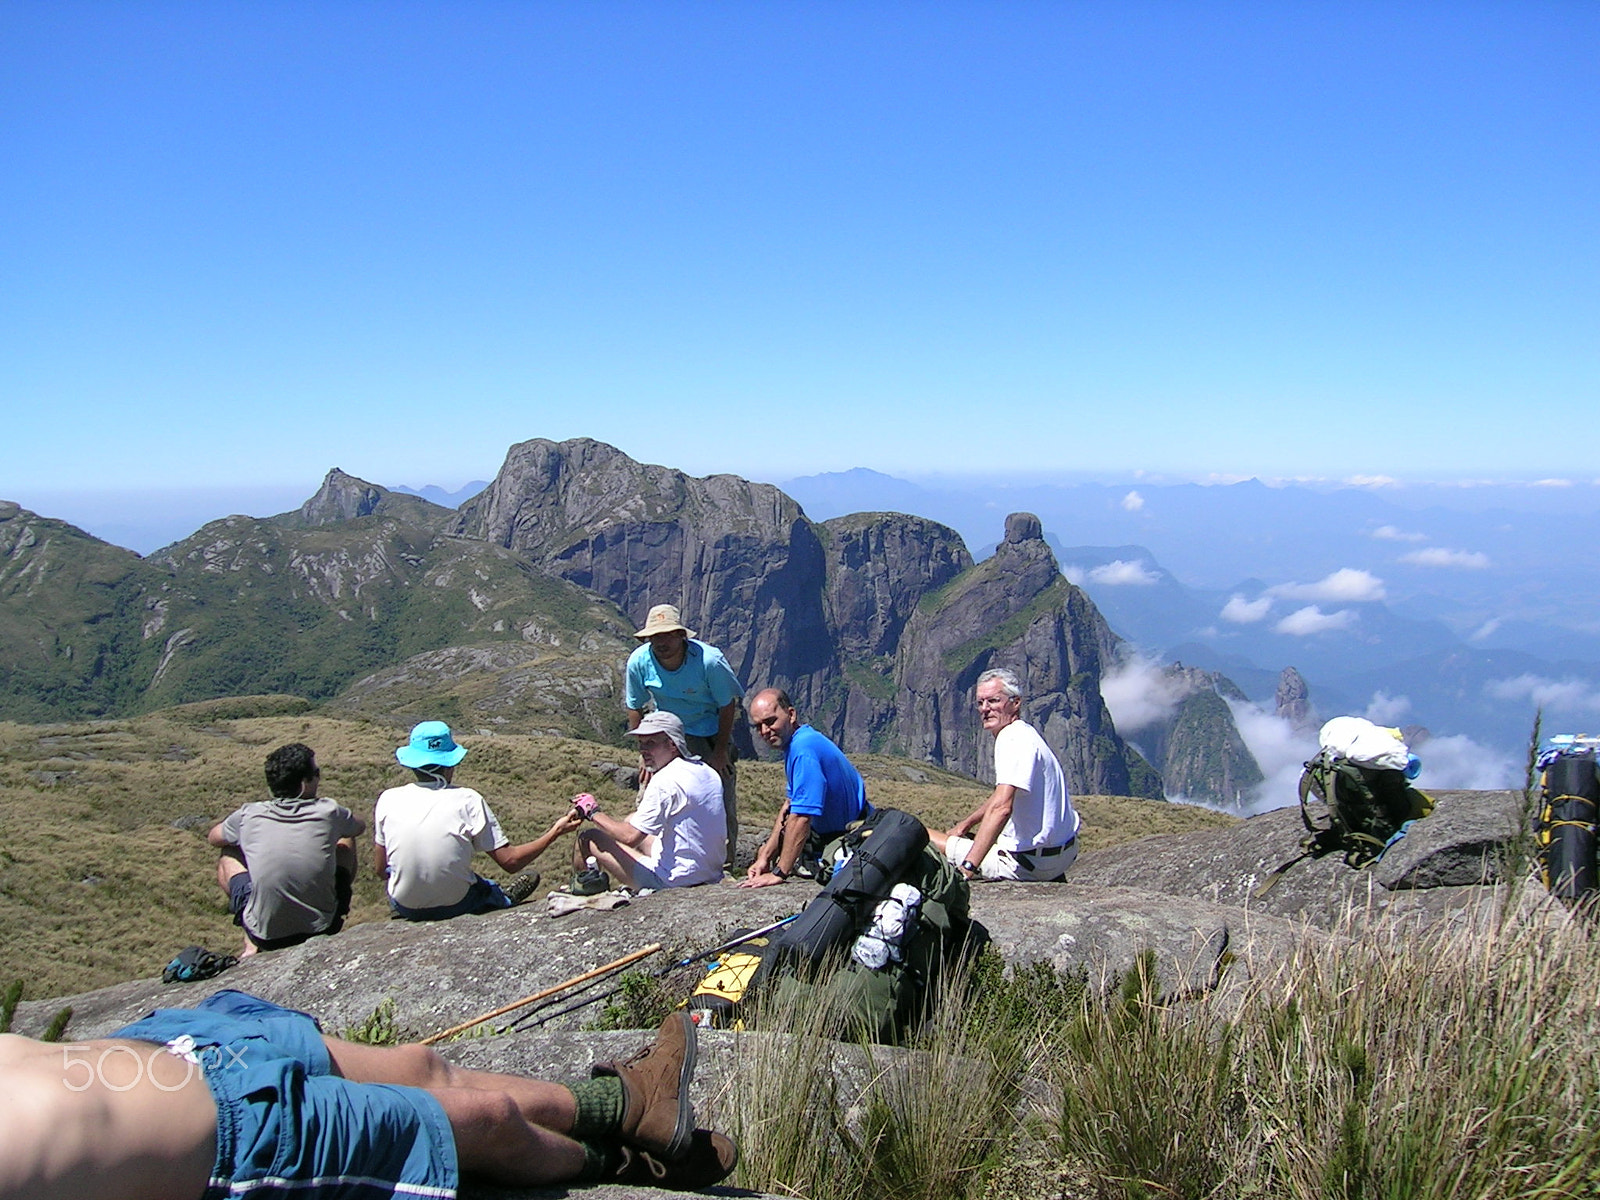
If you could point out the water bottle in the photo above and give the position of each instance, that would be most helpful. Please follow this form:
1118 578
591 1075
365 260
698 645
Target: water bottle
590 881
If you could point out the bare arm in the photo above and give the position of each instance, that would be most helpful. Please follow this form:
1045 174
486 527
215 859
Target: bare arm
994 815
619 831
380 861
514 858
796 829
216 838
717 760
769 848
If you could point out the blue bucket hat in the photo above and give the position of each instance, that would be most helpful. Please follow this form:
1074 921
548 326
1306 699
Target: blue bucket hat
431 746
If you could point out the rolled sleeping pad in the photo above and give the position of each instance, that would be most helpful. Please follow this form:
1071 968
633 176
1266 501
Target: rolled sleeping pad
832 920
1571 802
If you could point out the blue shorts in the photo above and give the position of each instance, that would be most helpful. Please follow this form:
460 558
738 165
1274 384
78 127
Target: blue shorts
484 896
286 1125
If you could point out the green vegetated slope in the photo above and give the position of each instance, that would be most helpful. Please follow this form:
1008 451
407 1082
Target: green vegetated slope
247 606
104 869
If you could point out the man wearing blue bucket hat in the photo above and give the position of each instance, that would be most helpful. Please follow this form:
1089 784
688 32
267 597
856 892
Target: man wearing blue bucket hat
426 832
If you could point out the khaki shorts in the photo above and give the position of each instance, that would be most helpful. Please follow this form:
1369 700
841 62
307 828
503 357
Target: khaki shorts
1032 866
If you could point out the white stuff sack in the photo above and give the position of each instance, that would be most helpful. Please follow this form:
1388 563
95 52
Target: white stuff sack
1365 744
892 920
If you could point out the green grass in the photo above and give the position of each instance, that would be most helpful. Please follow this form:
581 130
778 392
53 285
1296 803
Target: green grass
1458 1064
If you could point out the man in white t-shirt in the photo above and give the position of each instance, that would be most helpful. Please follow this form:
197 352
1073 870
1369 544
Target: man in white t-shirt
426 832
1027 829
678 836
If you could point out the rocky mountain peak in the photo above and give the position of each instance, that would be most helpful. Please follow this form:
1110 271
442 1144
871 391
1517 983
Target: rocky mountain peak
343 497
1024 527
1292 701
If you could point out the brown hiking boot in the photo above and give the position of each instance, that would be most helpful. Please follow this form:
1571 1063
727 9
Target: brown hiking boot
710 1159
656 1113
522 886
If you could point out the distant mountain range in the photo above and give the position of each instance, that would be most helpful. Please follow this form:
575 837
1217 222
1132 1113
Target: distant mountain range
517 610
1430 606
1213 640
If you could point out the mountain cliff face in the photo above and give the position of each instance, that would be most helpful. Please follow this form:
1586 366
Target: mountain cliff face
1198 747
740 559
1013 610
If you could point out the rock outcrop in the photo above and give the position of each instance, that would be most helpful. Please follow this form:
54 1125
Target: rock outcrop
343 498
740 559
1450 862
1292 702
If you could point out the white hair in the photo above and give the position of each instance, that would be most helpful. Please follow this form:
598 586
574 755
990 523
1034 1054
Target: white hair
1007 679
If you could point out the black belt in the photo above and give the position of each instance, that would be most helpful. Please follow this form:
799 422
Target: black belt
1026 857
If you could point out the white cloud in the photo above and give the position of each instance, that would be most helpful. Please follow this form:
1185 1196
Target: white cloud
1551 483
1246 612
1561 695
1393 533
1484 630
1345 586
1280 751
1304 622
1074 574
1372 481
1384 709
1139 694
1438 556
1120 573
1133 502
1460 762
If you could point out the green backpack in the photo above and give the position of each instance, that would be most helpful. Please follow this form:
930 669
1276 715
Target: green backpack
883 1004
1367 807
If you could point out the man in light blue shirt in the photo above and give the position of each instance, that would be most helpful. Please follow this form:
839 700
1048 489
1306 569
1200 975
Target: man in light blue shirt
675 673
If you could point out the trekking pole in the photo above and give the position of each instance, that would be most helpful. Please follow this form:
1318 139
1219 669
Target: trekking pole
540 1017
626 959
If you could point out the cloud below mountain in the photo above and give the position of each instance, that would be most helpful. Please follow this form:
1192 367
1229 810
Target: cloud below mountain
1392 533
1139 693
1565 695
1438 556
1246 612
1304 622
1347 585
1123 574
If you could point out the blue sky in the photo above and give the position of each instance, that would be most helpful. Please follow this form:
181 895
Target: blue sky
242 243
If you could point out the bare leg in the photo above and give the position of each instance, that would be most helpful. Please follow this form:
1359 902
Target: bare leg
547 1105
494 1139
344 855
938 840
615 859
230 864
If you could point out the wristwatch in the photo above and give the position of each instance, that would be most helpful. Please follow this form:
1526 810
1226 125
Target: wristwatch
780 872
968 867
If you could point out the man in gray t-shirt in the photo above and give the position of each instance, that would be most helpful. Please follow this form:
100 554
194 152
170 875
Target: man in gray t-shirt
288 863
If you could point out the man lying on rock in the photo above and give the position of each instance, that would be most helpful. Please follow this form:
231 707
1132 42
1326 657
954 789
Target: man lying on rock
1027 829
240 1097
426 832
678 835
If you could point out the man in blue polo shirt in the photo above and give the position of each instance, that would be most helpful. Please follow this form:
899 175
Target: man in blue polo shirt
694 682
825 792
